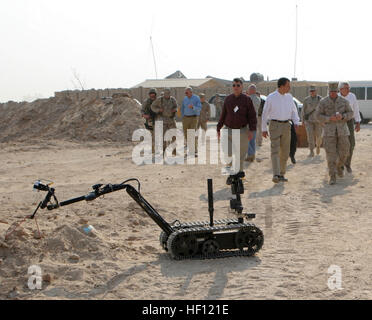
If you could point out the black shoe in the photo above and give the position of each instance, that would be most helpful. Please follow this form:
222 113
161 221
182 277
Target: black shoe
229 181
293 160
283 179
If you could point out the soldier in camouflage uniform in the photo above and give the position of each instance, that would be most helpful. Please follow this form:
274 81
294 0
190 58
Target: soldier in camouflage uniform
334 112
165 108
204 115
313 126
218 103
149 115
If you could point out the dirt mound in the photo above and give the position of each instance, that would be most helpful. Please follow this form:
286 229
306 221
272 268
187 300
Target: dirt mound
89 119
63 255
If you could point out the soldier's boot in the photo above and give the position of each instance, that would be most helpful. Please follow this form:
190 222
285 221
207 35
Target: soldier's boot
318 150
250 158
340 171
332 180
311 155
348 168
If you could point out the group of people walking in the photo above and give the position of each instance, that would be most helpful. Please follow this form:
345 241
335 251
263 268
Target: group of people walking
195 113
329 121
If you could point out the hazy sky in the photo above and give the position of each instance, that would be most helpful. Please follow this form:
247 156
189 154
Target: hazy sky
108 42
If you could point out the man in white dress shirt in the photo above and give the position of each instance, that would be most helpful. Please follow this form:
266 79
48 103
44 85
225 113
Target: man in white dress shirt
279 109
349 96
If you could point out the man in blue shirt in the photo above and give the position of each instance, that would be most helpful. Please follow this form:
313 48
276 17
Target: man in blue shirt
190 111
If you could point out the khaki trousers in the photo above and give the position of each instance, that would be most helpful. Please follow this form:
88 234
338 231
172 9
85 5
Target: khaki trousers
204 127
168 123
351 126
259 131
190 123
314 134
233 148
280 136
337 150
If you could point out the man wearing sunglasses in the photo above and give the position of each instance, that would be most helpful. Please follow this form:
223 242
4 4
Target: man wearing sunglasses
279 110
238 113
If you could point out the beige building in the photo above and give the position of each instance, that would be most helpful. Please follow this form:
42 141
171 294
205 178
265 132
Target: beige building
180 83
299 89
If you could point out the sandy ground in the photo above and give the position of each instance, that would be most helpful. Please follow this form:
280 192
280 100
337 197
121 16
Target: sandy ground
308 227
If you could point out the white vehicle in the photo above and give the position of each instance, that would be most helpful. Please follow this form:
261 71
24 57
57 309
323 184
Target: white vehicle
363 92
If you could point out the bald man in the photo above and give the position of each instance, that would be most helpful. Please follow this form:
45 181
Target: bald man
190 111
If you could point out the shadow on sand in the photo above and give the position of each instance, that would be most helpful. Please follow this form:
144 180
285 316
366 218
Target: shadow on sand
169 269
220 195
189 268
99 291
315 160
275 191
327 192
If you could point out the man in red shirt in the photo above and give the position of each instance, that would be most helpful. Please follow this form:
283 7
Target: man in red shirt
238 113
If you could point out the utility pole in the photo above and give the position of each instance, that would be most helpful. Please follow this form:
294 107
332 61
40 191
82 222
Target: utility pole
296 42
153 55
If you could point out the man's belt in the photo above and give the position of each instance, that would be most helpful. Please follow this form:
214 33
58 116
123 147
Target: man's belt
190 116
236 128
285 121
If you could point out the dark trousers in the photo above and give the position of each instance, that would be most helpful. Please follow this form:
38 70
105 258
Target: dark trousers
293 149
351 126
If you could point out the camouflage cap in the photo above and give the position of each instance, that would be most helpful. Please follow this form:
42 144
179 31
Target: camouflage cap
202 95
167 91
153 90
333 86
312 88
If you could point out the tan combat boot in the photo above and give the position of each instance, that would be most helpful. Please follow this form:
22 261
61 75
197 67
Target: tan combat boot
318 151
250 158
340 172
348 169
332 180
